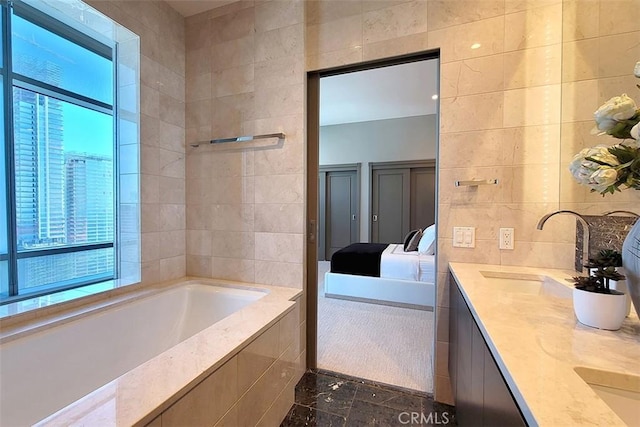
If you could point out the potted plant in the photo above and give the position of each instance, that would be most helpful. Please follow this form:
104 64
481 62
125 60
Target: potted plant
595 303
610 261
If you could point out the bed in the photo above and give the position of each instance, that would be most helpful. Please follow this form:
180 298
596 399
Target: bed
382 274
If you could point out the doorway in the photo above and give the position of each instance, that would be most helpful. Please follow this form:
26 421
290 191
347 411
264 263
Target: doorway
395 165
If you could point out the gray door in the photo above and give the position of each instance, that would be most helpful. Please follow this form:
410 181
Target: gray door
341 211
423 197
390 203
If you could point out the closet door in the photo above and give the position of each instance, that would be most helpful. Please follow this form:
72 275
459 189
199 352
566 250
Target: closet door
423 197
341 211
391 207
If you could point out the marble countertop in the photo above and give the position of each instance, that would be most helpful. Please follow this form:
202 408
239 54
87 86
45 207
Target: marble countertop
537 342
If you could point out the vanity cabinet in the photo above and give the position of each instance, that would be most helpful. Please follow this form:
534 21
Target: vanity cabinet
481 395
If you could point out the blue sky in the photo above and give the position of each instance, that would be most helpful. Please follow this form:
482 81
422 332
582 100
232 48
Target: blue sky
80 71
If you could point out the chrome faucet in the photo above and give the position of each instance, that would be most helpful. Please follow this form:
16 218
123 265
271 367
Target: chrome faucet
579 265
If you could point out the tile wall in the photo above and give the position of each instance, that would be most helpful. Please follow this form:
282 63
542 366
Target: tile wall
162 134
601 45
245 202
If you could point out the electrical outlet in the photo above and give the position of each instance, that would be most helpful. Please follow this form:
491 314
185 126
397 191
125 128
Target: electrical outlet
506 238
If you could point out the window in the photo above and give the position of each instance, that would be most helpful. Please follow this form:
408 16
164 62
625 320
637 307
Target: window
58 171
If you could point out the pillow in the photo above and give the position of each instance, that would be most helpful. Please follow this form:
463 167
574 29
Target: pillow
413 243
427 245
408 238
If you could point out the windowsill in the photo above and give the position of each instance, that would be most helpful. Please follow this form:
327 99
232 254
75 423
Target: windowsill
51 303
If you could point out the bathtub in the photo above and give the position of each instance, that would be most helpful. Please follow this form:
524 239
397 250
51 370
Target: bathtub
48 369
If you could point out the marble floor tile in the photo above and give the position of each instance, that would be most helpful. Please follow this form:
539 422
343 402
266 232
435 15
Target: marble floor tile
327 399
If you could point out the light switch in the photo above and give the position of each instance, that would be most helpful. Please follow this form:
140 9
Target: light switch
464 237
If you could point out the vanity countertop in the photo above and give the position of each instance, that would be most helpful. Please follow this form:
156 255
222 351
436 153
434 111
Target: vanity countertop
537 341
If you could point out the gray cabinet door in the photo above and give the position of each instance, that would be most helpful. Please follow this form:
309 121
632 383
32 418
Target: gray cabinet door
341 211
390 197
423 197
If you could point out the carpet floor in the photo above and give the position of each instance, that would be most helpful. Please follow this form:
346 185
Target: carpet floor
390 345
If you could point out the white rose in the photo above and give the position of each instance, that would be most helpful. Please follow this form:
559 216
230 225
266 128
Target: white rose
635 131
601 153
636 70
586 171
616 109
603 178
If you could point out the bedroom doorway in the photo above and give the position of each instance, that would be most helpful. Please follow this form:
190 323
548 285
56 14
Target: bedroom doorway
381 115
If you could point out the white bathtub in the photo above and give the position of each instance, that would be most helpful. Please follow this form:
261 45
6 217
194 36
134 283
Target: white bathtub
45 371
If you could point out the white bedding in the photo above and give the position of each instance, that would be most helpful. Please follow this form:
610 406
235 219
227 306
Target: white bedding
398 264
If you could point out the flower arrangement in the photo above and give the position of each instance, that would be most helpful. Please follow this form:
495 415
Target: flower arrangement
607 168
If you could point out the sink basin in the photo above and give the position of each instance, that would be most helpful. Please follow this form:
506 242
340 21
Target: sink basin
621 392
524 283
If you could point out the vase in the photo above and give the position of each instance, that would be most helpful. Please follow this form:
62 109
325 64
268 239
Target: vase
631 264
621 286
602 311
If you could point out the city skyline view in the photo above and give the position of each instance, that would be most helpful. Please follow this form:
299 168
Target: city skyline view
63 160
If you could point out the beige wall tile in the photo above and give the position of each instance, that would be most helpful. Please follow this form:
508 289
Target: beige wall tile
280 43
229 54
446 13
279 218
540 26
236 25
232 81
618 54
532 106
173 268
281 247
473 112
397 46
198 265
395 21
323 11
580 60
580 19
579 100
619 16
240 270
472 76
286 159
335 35
285 274
280 189
232 244
208 401
255 359
333 59
278 14
470 40
533 67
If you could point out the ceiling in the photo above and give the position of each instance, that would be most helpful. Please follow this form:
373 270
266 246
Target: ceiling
404 90
193 7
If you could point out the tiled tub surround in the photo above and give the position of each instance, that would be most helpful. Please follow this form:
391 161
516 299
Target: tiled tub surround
536 342
252 357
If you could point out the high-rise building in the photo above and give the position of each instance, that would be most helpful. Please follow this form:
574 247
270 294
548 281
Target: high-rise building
39 162
89 198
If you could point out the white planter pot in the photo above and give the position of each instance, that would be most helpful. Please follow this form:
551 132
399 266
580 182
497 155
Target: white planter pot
621 286
602 311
